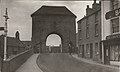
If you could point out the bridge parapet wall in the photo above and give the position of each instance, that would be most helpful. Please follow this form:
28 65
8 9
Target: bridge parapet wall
13 63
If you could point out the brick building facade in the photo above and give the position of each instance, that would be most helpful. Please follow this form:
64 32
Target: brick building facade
89 33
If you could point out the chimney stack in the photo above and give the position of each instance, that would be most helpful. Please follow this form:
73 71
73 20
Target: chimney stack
88 10
87 6
94 1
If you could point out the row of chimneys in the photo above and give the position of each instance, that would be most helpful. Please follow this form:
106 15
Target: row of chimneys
95 6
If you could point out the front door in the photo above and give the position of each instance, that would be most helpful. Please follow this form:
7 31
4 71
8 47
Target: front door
82 50
91 50
106 55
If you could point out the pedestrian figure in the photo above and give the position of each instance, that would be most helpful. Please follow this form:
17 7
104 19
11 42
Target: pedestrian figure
70 49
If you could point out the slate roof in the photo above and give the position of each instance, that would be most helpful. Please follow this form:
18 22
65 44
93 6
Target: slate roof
55 10
12 41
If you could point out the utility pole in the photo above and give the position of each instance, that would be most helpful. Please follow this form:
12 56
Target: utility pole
5 35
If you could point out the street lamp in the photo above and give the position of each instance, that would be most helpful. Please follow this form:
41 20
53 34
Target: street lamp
5 35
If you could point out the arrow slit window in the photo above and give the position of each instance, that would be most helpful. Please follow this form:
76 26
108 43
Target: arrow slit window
115 25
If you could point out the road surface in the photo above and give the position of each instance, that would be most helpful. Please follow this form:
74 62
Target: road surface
66 63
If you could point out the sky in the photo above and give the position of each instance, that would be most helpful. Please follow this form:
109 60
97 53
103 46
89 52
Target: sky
19 12
53 40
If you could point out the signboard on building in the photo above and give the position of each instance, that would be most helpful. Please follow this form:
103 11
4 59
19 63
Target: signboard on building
113 36
1 28
112 14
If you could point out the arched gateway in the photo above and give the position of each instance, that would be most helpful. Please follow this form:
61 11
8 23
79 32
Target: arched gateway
53 20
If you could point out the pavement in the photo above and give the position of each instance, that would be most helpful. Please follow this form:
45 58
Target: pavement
30 65
93 62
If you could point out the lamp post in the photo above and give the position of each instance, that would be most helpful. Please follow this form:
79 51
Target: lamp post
5 35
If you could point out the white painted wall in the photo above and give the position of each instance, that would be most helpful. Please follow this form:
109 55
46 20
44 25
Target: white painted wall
105 24
105 7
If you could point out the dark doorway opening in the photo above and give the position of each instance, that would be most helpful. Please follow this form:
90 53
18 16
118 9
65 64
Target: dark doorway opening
91 50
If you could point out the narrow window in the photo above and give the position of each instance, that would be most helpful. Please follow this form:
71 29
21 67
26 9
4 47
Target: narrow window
96 30
87 28
115 25
96 48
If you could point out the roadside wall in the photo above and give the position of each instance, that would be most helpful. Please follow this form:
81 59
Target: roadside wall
10 65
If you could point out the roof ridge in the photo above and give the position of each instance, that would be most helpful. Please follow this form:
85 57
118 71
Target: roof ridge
52 6
10 37
53 10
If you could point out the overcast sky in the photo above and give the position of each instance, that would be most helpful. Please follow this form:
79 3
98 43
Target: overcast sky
20 10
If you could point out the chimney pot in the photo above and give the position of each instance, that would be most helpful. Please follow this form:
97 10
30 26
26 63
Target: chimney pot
94 1
87 6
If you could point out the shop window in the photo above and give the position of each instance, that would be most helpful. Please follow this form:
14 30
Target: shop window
114 53
96 48
114 4
115 25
